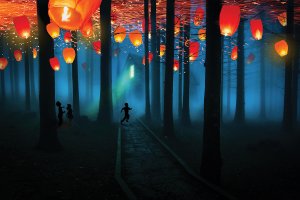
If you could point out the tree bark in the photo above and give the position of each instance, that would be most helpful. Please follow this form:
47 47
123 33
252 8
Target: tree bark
211 155
76 107
27 79
296 73
262 81
180 72
228 80
2 80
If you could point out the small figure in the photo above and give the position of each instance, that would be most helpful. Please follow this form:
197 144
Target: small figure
126 110
60 113
69 113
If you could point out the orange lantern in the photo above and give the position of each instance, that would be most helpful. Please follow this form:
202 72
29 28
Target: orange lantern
22 26
198 17
120 34
177 26
256 28
136 38
53 30
97 47
229 19
54 62
250 58
234 53
18 55
34 53
150 57
194 51
282 19
67 37
281 48
72 14
3 63
69 55
162 50
149 25
202 34
176 65
87 29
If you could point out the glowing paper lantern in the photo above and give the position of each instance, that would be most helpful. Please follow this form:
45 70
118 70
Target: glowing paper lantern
34 53
194 51
54 62
22 26
198 17
72 14
256 29
97 47
87 29
202 34
162 50
120 34
234 53
3 63
281 48
18 55
229 19
150 57
136 38
53 30
282 19
176 65
250 58
67 37
69 55
177 26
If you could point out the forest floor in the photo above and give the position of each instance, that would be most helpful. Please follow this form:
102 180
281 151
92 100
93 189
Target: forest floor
83 170
259 161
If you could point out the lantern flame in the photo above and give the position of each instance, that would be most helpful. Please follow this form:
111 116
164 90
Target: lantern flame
65 17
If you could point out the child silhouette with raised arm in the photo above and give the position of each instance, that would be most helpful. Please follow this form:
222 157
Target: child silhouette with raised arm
60 113
126 109
69 113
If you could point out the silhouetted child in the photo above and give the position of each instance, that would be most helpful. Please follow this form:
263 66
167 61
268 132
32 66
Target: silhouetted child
126 111
60 113
69 113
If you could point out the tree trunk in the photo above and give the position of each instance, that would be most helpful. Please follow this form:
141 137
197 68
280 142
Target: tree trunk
48 139
181 50
296 73
27 80
168 124
2 80
17 77
240 90
262 80
12 77
76 107
211 155
229 80
105 107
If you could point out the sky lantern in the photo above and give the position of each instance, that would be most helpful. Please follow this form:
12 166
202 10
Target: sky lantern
177 25
3 63
72 14
281 48
256 29
22 26
176 65
136 38
67 37
229 19
202 34
18 55
120 34
34 53
194 50
87 29
198 17
97 47
234 53
53 30
162 50
69 55
282 19
150 57
250 58
54 62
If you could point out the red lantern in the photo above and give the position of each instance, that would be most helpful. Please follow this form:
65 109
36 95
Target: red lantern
250 58
22 26
3 63
53 30
229 19
150 57
72 14
162 50
67 37
202 34
194 51
54 62
198 17
281 48
176 65
87 29
34 53
136 38
282 19
69 55
234 53
18 55
256 28
97 47
120 34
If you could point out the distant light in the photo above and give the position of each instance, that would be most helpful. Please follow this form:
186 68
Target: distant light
131 72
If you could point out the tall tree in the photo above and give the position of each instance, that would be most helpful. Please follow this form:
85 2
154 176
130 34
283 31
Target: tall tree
296 73
168 124
105 107
48 139
27 78
262 78
228 80
180 72
211 154
2 81
75 79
